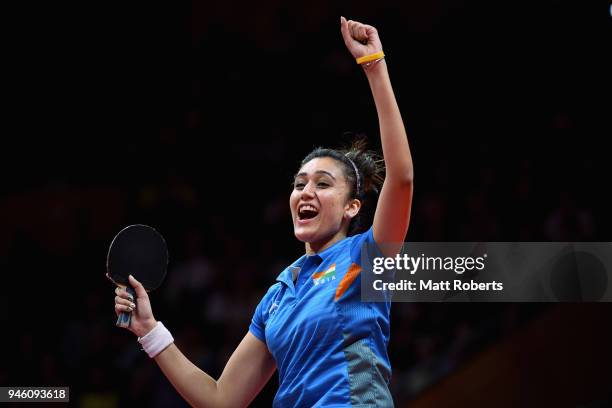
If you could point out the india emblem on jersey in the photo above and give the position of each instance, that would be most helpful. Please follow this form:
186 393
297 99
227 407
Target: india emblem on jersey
325 276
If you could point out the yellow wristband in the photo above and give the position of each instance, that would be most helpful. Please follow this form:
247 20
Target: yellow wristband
371 57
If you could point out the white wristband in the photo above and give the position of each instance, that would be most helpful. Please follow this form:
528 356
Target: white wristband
155 341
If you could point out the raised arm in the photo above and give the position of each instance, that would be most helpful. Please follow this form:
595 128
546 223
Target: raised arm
393 210
247 371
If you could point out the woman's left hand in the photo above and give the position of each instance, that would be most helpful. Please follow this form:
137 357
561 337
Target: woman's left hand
360 39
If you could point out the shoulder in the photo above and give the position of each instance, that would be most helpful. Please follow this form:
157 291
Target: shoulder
357 242
266 302
272 291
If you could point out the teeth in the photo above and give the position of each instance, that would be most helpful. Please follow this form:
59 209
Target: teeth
307 208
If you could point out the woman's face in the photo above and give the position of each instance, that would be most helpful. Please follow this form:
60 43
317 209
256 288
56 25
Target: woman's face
320 204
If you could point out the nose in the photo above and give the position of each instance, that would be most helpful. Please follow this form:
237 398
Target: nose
309 189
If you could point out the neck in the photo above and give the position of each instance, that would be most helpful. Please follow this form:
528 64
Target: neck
316 247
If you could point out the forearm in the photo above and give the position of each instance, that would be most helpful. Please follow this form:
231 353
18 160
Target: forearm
396 152
194 385
247 371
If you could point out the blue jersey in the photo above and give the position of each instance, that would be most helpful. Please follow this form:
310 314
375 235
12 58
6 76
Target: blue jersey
330 347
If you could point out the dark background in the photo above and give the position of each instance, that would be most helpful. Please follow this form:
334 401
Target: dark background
193 117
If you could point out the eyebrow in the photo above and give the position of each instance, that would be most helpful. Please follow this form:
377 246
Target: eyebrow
316 172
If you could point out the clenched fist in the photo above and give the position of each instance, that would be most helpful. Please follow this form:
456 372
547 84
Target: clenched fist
360 39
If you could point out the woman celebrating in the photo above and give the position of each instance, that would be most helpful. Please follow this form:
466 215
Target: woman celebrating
329 347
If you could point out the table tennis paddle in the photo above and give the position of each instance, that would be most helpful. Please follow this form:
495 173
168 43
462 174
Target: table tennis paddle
140 251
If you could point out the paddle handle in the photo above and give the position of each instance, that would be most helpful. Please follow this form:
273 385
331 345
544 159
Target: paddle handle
124 318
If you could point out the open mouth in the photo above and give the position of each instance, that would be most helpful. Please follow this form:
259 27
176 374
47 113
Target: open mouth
307 212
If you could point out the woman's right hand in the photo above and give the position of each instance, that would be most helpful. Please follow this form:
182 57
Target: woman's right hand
142 320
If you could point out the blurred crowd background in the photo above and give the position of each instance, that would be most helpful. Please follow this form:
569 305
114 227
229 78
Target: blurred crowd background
196 123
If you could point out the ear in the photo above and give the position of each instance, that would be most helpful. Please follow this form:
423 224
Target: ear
352 208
